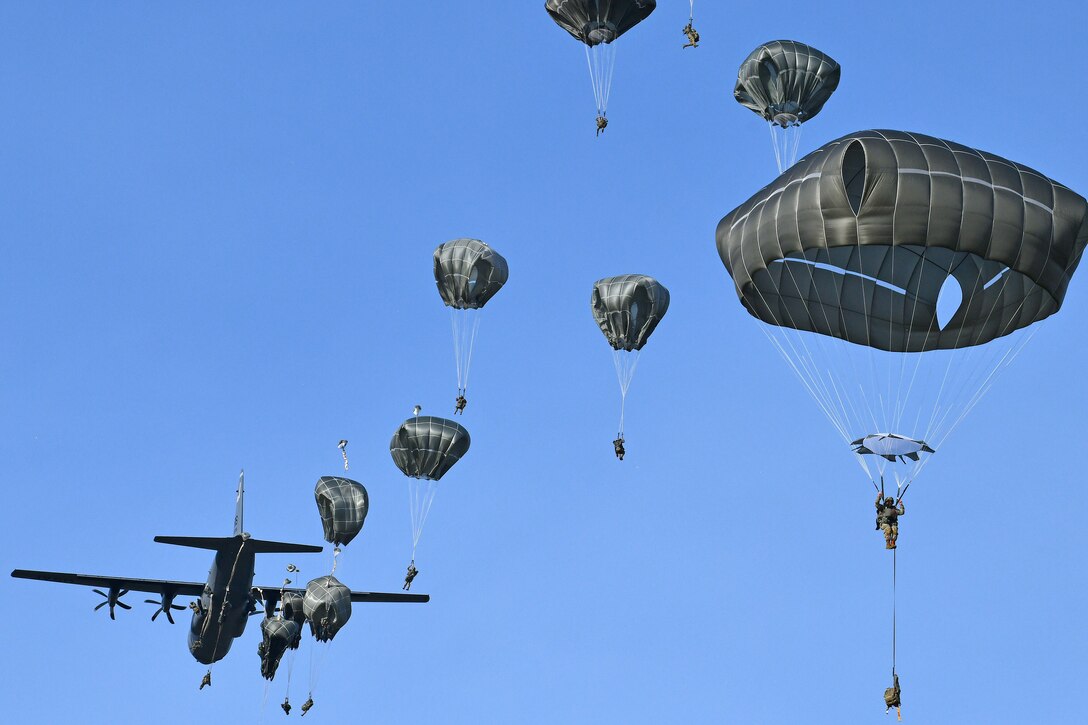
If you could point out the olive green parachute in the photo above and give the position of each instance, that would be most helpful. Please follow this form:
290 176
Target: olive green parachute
292 607
343 505
327 605
858 240
786 82
277 635
897 274
425 448
627 309
468 273
597 24
598 21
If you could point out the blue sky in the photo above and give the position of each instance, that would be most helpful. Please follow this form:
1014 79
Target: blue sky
216 236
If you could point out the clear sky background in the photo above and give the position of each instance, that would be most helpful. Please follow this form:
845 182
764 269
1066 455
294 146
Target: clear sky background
216 227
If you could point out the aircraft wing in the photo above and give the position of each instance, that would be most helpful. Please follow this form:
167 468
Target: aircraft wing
154 586
272 595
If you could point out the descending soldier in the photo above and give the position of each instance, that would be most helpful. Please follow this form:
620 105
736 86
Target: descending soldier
888 512
693 36
461 403
307 705
286 705
412 571
207 681
602 124
891 698
618 445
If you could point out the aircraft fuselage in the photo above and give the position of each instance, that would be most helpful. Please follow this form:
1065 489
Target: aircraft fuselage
225 604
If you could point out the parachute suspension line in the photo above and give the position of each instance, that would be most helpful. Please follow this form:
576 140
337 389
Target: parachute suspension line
774 145
465 325
601 60
984 360
420 497
786 143
471 347
625 363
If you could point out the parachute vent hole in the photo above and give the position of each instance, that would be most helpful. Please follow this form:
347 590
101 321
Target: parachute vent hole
853 175
949 300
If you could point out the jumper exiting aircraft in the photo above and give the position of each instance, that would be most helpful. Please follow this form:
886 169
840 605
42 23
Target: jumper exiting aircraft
228 598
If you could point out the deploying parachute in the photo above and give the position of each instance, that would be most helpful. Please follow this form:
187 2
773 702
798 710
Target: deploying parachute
787 83
597 24
343 505
278 634
424 448
327 606
627 309
898 274
468 274
292 607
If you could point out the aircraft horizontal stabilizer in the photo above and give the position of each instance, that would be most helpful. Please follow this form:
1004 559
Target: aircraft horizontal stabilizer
257 546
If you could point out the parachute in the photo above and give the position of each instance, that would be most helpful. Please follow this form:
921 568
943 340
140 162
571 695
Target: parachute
343 505
787 83
278 634
425 448
849 256
292 607
327 606
468 274
597 24
627 309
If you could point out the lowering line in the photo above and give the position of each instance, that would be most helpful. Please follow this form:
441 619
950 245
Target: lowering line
893 608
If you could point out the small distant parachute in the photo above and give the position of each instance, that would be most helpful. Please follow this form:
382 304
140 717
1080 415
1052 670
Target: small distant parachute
278 634
596 24
787 83
342 504
890 447
468 274
327 606
425 448
628 309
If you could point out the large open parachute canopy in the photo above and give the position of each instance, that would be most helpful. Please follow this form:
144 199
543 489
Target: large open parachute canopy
858 240
596 24
327 605
343 505
895 270
787 83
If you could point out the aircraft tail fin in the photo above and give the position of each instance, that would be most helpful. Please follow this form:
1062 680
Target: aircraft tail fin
239 502
257 546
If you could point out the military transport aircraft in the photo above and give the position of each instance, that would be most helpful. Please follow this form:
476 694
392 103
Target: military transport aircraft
228 598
